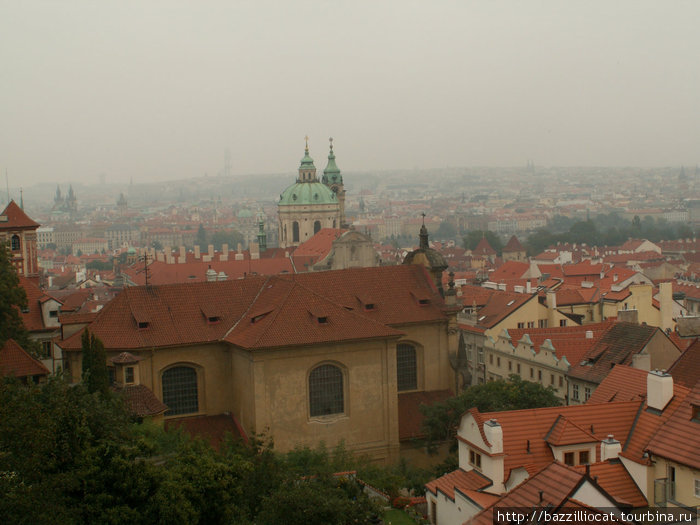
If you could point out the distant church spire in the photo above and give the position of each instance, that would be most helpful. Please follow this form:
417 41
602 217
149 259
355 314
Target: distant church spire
424 244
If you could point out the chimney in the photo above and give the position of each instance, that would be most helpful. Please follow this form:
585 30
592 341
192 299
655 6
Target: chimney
502 287
254 250
551 299
211 275
666 305
659 389
609 448
222 276
183 253
210 251
196 251
528 287
224 250
615 277
494 435
589 334
519 289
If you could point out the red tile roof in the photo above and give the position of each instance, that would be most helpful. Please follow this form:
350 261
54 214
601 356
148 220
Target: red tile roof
15 361
496 305
686 369
532 426
513 245
260 312
566 432
318 246
461 480
125 358
613 478
616 346
16 218
410 416
211 428
33 319
550 487
141 401
623 383
483 249
509 270
678 439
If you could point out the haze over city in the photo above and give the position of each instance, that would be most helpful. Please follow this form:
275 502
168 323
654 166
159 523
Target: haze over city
160 90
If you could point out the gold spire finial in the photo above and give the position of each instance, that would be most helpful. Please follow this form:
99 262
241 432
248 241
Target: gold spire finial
330 139
306 138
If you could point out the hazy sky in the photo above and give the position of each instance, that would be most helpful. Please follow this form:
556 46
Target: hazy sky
157 90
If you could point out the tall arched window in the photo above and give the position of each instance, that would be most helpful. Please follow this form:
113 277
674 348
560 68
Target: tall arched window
317 226
14 243
180 390
326 395
295 231
406 367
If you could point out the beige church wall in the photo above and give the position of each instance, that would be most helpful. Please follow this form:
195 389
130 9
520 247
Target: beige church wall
434 370
369 424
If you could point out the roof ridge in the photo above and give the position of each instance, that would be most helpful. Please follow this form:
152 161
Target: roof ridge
250 306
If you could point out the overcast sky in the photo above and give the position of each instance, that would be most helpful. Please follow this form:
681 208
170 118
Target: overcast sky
158 90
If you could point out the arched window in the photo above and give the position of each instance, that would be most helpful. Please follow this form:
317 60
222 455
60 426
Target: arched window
284 235
180 390
295 231
326 391
406 368
14 243
317 226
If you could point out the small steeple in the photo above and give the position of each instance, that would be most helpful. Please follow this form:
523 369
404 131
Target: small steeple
331 175
307 169
262 235
424 245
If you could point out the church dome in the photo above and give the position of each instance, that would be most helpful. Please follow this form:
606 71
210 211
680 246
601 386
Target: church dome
306 193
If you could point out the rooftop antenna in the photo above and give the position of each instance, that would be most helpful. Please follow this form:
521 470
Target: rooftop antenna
21 198
145 257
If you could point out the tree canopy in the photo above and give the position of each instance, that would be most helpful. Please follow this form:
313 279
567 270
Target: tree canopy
441 419
473 237
14 299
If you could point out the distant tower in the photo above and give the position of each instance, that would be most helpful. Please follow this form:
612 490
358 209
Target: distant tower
58 199
262 236
18 232
334 180
71 201
122 204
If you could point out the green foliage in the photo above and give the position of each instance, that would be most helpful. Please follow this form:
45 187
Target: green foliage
605 229
201 238
95 373
102 266
441 419
230 237
473 237
445 232
14 298
320 500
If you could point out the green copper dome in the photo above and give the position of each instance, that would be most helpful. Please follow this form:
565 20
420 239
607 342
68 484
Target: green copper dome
305 193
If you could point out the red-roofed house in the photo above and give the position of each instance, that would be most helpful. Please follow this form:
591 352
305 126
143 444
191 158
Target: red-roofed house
311 356
16 362
607 444
514 251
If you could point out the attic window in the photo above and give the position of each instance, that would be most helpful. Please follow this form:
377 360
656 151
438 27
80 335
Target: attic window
213 319
510 303
482 318
25 309
257 318
695 416
143 324
322 320
423 301
369 306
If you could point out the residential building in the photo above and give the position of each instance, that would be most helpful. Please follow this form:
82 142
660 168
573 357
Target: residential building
18 233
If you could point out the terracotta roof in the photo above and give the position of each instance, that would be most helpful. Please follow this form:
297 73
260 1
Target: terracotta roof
210 428
410 416
613 478
617 345
319 245
509 270
568 341
495 305
532 426
566 432
678 439
582 268
33 319
461 480
623 383
483 249
261 312
141 401
550 487
513 245
686 369
15 361
16 218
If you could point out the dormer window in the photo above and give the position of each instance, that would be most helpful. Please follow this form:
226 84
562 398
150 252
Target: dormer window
695 414
423 301
129 375
369 306
322 320
143 325
213 319
25 309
